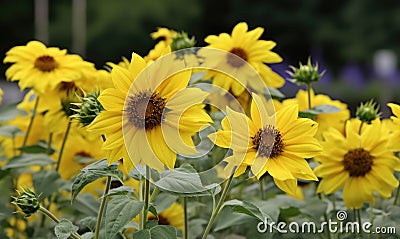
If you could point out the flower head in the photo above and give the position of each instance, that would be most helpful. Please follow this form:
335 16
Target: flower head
368 111
278 149
242 47
157 115
305 74
361 164
27 201
43 68
88 108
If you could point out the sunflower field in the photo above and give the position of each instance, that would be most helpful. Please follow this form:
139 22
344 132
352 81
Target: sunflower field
191 142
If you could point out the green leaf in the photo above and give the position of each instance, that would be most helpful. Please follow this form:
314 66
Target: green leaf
164 200
93 172
26 160
120 211
64 229
40 147
157 232
87 235
314 208
122 190
139 170
10 111
226 220
183 181
89 222
9 131
46 182
319 109
247 208
275 93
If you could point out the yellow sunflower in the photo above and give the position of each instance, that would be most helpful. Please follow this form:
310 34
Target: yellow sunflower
1 96
393 126
360 163
325 121
172 216
160 49
157 115
278 149
42 68
164 34
247 47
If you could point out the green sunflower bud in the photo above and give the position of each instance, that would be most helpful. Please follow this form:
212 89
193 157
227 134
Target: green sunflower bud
182 41
88 109
27 201
305 74
368 111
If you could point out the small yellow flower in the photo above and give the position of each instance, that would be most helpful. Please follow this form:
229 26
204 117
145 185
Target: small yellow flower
157 116
325 120
43 68
360 163
278 149
249 49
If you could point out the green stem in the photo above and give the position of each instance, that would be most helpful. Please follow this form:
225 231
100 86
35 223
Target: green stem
185 219
155 192
360 129
56 220
13 145
309 95
358 213
219 206
397 195
320 196
63 145
146 193
49 143
260 182
102 206
28 131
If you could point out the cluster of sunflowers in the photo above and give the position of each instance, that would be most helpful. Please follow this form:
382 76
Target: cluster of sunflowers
138 149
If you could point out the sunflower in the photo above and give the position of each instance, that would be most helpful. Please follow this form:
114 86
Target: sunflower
164 34
172 216
249 49
327 120
159 50
278 149
1 96
42 68
157 115
360 163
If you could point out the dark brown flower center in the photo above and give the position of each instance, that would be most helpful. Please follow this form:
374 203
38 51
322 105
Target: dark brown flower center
357 162
161 220
69 88
145 110
268 142
46 63
234 60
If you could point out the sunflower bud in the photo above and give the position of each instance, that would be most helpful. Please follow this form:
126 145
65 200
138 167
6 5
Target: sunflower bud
88 109
182 41
27 201
368 111
305 74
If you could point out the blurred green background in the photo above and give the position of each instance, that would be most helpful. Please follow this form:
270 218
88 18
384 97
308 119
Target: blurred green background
356 41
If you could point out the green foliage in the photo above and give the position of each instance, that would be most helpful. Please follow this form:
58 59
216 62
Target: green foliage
26 160
64 229
93 172
120 211
157 232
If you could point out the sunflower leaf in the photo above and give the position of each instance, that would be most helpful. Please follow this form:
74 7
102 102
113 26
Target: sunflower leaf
182 181
92 172
120 211
10 131
26 160
10 111
41 147
157 232
64 229
247 208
